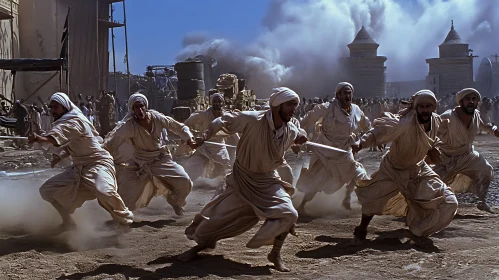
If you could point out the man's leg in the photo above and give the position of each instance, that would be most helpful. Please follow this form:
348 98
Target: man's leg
56 190
360 232
195 165
275 254
101 181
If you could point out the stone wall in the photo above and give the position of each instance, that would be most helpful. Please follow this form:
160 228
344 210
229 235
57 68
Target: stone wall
454 73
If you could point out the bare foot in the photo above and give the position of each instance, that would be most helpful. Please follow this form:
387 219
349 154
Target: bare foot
189 255
179 211
359 234
275 258
484 207
420 241
292 231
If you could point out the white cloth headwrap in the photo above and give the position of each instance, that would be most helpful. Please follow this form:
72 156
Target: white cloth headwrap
462 93
73 110
216 95
419 97
282 95
136 97
342 85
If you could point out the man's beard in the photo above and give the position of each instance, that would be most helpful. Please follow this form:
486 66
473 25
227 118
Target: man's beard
421 119
470 110
283 116
217 108
56 117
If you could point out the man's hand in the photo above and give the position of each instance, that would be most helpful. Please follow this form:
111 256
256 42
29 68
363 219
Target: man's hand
434 156
295 149
193 143
207 135
32 138
55 160
300 139
356 148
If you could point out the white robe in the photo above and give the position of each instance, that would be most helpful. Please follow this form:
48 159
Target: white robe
151 171
92 175
404 183
328 170
254 190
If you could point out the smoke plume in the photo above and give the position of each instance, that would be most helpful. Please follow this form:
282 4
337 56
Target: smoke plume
303 40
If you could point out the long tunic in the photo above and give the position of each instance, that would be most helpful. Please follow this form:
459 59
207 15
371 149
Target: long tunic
404 183
254 189
150 171
205 154
91 176
328 170
459 156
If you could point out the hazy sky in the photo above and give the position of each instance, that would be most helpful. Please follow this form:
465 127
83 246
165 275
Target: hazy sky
292 42
156 28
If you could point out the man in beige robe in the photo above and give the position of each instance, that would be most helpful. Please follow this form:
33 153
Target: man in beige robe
254 190
151 170
328 170
457 132
218 155
92 174
404 183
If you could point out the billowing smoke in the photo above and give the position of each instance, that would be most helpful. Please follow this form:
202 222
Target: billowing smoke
303 40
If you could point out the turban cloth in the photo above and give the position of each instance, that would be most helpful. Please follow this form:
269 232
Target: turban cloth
462 93
216 95
281 95
419 97
136 97
342 85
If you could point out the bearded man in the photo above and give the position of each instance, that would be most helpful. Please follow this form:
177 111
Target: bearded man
199 160
329 171
457 132
404 183
254 189
92 174
151 170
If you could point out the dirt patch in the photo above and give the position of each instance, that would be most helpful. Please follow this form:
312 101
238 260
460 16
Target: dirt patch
468 248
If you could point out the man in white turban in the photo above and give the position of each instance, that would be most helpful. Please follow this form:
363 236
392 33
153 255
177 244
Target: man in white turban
254 190
206 154
457 132
151 170
328 170
405 185
92 174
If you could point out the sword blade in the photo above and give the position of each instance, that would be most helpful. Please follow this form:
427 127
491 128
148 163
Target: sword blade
14 137
219 144
325 147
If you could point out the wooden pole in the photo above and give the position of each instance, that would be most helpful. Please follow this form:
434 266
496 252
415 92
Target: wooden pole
12 94
97 41
67 50
114 54
126 48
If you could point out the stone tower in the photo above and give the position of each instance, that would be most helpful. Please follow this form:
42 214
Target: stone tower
364 68
453 70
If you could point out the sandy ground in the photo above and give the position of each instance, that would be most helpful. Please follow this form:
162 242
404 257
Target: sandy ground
29 248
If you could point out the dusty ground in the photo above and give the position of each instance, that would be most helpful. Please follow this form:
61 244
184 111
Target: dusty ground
468 248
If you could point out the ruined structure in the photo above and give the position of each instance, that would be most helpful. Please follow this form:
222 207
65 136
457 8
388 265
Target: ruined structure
453 69
364 68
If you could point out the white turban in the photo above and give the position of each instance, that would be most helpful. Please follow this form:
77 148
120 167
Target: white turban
136 97
216 95
73 110
281 95
342 85
462 93
419 97
62 99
